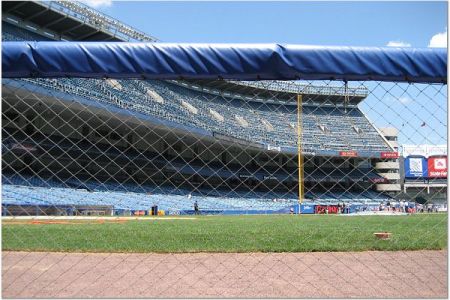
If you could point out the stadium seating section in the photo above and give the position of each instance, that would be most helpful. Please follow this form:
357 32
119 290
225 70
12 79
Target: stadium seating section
328 128
31 190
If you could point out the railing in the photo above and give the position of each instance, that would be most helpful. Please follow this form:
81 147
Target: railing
100 21
303 88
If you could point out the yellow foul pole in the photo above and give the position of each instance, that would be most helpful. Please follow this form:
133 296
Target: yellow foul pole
299 150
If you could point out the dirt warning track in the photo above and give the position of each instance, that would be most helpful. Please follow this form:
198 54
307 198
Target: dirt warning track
405 274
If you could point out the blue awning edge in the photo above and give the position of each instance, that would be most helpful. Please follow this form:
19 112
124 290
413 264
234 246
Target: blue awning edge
222 61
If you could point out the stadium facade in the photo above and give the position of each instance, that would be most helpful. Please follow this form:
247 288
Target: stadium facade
425 172
72 144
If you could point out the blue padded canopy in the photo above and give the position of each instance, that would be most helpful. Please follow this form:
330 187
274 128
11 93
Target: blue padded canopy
227 61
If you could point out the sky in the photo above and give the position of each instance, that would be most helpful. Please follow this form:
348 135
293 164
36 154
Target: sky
413 24
394 24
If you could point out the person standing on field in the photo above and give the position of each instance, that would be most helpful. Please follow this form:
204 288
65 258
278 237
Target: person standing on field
196 210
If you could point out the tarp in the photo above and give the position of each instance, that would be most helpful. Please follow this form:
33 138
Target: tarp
227 61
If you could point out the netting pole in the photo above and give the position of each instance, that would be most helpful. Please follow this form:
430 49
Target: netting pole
299 151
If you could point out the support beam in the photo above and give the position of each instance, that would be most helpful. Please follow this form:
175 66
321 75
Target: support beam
56 21
15 6
87 35
36 14
72 28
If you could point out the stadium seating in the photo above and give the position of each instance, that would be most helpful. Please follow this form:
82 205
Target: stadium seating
14 33
31 190
339 133
327 128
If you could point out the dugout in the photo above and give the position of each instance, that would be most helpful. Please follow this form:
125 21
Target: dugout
36 210
93 210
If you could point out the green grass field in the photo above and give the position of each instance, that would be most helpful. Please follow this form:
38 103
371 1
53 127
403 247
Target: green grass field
277 233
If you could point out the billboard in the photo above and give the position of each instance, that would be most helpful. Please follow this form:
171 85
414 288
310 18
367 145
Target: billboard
307 208
415 167
424 150
389 154
437 150
322 209
348 153
419 150
273 148
437 167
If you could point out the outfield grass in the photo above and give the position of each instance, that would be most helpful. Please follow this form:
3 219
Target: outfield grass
272 233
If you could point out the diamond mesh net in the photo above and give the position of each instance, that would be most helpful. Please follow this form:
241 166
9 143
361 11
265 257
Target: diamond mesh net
88 163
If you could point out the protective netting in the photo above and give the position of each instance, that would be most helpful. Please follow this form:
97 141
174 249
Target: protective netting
120 147
88 163
78 151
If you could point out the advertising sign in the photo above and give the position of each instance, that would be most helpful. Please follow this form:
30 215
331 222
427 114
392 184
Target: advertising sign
416 167
437 167
424 150
348 153
389 154
273 148
377 179
437 150
417 150
324 209
307 208
245 176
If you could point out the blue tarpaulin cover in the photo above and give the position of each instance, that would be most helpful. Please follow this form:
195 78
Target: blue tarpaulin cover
227 61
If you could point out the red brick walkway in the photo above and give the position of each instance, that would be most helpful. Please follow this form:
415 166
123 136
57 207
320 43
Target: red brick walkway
415 274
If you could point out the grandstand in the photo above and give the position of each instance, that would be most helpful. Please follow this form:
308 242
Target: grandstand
132 144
